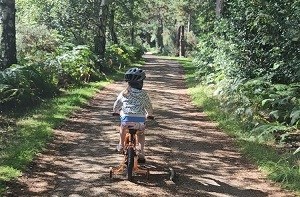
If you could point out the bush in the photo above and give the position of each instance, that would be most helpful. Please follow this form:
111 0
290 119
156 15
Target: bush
120 56
266 35
69 65
134 52
35 43
116 57
20 85
250 55
75 66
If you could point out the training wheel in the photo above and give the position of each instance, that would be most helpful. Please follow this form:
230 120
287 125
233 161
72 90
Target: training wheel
172 174
110 172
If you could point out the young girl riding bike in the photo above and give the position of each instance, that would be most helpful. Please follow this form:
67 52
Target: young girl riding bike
134 106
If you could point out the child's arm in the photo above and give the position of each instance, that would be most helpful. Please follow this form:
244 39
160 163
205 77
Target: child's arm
118 104
148 105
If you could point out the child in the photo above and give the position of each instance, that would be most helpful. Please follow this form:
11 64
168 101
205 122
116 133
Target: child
134 106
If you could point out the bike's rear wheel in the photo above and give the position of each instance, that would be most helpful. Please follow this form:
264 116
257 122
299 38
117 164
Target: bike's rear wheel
130 163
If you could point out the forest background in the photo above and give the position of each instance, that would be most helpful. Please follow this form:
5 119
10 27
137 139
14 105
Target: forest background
244 55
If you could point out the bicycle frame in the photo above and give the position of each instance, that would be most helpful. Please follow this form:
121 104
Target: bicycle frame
131 142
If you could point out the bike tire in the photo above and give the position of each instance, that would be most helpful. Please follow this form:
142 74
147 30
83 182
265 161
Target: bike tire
130 163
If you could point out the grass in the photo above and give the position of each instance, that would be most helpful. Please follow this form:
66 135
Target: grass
33 129
282 168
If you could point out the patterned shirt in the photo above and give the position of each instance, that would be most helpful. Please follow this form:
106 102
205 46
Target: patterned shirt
134 102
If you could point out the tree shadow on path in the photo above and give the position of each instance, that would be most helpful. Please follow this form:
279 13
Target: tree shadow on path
77 161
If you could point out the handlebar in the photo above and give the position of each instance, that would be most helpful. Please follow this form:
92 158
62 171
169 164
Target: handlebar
148 117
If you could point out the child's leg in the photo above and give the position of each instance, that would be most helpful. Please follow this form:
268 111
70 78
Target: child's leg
141 140
122 135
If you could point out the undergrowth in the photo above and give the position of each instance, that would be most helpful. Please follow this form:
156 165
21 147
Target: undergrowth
280 166
27 132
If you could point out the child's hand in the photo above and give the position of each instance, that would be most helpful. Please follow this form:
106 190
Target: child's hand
150 117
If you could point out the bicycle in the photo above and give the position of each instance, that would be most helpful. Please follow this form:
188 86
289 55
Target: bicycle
130 161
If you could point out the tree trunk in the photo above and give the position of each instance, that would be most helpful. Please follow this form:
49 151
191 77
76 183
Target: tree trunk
132 35
181 41
100 37
159 36
132 22
189 23
113 34
219 7
8 37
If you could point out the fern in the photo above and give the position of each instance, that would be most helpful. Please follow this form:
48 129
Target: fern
295 116
270 131
20 85
297 151
7 93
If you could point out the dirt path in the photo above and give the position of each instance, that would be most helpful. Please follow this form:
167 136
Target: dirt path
182 137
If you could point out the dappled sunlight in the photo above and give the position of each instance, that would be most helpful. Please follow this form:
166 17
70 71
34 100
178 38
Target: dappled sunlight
181 137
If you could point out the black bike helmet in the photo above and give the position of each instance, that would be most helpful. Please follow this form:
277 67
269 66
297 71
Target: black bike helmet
135 75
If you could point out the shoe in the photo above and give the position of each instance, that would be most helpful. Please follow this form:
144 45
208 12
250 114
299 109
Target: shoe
141 159
119 148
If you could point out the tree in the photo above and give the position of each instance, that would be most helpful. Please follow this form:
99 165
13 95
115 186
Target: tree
8 35
127 18
111 24
101 11
219 7
181 41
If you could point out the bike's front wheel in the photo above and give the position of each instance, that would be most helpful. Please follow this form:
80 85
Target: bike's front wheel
130 163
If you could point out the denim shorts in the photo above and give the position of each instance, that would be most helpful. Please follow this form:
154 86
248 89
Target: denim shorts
132 119
132 122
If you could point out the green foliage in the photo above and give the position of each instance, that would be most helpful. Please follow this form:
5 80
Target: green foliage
72 19
297 151
250 56
284 103
191 43
266 132
45 73
134 53
158 23
258 103
120 56
33 131
268 40
35 43
283 167
75 66
20 85
29 11
29 84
